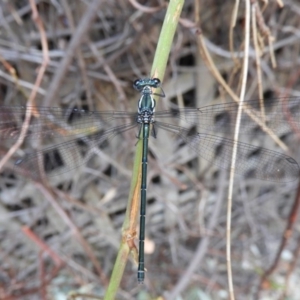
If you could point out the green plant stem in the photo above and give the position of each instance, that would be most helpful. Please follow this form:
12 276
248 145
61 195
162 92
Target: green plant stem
166 39
130 223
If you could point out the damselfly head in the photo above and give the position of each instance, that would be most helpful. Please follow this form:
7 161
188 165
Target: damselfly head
146 85
139 84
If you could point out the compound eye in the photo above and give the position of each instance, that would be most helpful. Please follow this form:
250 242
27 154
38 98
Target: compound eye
156 82
136 84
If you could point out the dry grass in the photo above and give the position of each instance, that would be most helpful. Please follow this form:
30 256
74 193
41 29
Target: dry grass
61 233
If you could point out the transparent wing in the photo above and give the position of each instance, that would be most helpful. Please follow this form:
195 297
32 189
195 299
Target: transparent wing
63 157
251 161
222 117
52 121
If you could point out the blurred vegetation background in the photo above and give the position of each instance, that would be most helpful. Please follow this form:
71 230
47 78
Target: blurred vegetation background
54 235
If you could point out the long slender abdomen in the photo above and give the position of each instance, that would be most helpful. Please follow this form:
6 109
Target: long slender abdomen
141 267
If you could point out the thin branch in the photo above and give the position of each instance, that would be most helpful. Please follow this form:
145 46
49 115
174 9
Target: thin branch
79 35
286 236
65 217
216 73
234 152
79 55
37 84
257 58
203 245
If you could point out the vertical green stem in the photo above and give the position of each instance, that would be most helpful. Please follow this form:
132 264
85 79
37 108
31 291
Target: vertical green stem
130 223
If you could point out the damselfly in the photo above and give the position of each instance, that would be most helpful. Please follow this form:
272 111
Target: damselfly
95 127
